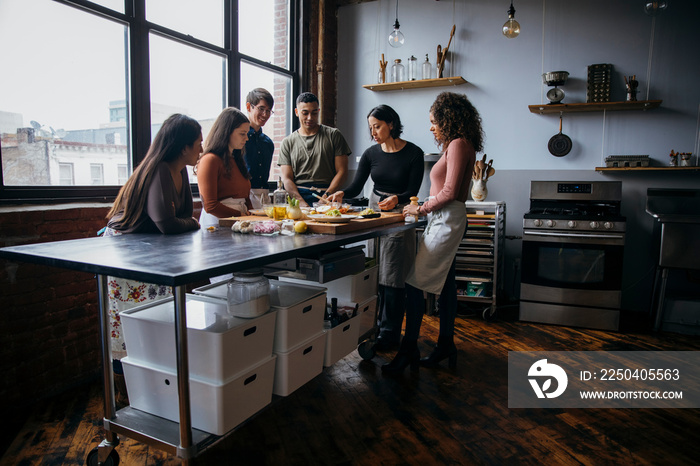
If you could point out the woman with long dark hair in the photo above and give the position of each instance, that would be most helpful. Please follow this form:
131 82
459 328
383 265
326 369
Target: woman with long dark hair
396 168
155 199
456 126
222 175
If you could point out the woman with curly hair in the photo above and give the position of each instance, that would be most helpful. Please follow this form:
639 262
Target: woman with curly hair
456 126
222 175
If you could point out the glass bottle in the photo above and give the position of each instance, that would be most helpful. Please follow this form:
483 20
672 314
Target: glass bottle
279 202
335 319
397 71
412 65
427 68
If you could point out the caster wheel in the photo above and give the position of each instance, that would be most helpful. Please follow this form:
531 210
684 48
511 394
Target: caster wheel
366 350
487 314
92 458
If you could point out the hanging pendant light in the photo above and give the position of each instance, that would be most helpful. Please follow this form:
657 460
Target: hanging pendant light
653 8
511 28
396 38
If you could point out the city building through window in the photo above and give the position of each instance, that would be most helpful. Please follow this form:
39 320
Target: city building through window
76 107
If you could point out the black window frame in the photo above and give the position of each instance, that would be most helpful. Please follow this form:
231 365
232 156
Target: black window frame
138 88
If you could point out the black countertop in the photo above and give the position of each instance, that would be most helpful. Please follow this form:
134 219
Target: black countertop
180 259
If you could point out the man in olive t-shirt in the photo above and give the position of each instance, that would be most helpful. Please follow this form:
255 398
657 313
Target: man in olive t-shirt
314 156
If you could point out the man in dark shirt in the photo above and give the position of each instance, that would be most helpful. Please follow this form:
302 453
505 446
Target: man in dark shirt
259 148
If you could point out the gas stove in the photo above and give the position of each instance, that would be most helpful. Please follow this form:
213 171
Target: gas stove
575 206
573 242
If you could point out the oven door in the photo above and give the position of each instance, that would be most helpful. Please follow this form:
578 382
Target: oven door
575 268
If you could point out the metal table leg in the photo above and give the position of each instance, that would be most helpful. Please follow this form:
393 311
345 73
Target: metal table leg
186 449
366 347
111 440
662 297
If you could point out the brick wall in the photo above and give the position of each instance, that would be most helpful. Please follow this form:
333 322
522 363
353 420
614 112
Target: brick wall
49 334
48 323
48 316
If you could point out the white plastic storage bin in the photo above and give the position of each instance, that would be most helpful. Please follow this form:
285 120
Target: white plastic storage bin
356 288
341 340
367 312
299 365
219 345
300 309
216 408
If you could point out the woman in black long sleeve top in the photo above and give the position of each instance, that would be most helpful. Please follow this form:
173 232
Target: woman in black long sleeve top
396 168
400 173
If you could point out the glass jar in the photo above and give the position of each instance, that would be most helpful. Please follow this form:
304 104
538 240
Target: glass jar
412 68
427 68
397 71
248 294
287 227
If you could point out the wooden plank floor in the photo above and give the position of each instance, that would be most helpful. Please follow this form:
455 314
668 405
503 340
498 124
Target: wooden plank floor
352 415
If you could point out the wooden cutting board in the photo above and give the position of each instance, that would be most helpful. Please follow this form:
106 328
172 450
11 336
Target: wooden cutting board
330 228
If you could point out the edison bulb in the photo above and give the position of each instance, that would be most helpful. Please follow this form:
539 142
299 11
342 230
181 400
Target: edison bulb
396 38
652 8
511 28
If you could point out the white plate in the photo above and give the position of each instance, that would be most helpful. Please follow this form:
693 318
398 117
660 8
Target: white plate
328 219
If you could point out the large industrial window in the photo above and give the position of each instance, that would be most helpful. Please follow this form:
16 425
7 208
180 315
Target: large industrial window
88 83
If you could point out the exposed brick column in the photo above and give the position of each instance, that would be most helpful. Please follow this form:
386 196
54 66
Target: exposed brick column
330 56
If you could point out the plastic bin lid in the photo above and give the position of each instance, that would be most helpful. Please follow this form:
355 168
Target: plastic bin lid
201 315
283 295
215 290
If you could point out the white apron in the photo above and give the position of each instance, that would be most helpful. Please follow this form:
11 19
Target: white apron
207 220
437 247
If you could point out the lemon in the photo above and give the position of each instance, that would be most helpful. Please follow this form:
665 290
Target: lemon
300 227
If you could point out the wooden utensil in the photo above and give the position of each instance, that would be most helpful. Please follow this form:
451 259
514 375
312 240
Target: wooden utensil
490 172
441 59
479 167
382 68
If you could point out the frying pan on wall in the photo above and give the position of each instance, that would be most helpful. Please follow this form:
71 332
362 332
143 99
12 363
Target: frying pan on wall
560 144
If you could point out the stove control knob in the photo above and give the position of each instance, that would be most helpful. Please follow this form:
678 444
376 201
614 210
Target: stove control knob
595 225
551 223
571 224
537 222
608 225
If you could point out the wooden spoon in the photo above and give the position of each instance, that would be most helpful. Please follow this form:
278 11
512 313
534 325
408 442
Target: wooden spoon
488 167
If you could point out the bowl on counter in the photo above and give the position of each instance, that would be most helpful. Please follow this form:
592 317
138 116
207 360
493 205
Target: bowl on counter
268 208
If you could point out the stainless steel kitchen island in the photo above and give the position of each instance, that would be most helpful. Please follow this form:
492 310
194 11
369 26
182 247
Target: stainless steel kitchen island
172 260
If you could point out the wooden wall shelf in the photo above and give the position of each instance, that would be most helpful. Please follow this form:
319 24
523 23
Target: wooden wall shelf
418 83
594 107
648 169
